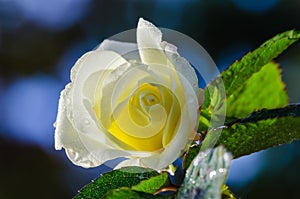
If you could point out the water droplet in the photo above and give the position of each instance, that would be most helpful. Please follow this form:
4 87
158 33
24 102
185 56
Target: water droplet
86 122
222 170
68 101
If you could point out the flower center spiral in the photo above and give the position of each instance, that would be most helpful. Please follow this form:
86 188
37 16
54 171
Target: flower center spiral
146 120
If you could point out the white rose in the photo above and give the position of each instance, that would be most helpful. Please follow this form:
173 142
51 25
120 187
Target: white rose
145 110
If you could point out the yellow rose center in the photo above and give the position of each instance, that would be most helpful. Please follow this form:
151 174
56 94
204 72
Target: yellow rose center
147 119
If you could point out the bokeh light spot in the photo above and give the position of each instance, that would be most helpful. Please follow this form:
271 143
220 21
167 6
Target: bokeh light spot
29 109
54 14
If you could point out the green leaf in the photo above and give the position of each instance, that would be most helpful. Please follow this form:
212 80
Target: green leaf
128 193
152 184
190 155
206 175
261 130
121 193
213 116
124 177
250 97
240 71
227 193
205 112
241 96
263 89
204 121
207 99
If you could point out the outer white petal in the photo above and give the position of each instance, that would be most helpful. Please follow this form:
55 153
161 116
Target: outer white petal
77 129
122 48
63 129
130 162
149 40
183 67
67 137
169 48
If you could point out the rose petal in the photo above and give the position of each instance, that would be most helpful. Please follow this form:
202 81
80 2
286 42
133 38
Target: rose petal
130 162
66 136
109 90
84 90
121 48
183 67
169 48
63 128
185 132
149 40
77 128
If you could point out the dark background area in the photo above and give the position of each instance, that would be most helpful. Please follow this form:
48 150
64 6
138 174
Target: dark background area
41 40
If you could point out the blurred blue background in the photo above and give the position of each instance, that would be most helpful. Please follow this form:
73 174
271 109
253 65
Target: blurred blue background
40 40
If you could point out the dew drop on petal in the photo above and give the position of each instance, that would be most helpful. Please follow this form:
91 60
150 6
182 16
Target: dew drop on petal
86 122
54 125
68 101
